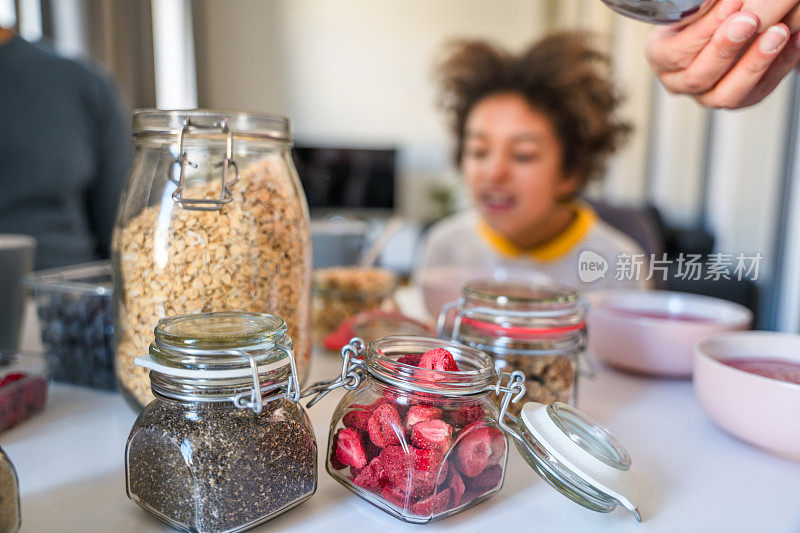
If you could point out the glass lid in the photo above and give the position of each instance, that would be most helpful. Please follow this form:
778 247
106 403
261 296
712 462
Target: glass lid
576 456
518 293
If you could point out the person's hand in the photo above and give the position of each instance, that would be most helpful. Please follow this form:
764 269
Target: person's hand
721 59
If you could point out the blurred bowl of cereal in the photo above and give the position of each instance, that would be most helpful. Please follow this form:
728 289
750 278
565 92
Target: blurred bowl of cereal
341 292
654 332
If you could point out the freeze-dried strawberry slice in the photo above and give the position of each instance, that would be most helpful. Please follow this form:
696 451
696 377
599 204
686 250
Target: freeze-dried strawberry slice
335 462
396 464
357 419
410 359
349 448
433 435
438 359
456 485
467 415
421 413
425 468
372 476
498 446
488 479
384 426
473 451
433 504
394 495
371 449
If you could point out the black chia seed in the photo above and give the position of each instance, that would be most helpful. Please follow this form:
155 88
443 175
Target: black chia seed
213 467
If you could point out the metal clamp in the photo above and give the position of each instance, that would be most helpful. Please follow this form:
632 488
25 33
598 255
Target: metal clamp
512 393
255 399
350 378
204 204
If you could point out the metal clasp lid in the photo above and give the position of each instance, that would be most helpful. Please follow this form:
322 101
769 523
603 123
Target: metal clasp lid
204 204
350 378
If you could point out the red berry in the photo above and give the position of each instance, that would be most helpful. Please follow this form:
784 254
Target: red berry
410 359
473 451
357 419
371 477
498 446
426 466
433 504
394 495
421 413
396 463
385 427
433 435
456 485
467 415
11 378
488 479
438 359
350 449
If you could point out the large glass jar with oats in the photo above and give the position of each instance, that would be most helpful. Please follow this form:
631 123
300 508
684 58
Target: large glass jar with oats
212 218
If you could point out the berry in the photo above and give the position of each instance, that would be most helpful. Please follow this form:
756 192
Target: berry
473 451
488 479
433 435
385 427
394 495
498 446
371 477
357 419
410 359
467 415
421 413
456 485
425 468
350 450
433 504
336 464
11 378
438 359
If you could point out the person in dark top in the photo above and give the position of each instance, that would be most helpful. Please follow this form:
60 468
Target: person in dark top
64 153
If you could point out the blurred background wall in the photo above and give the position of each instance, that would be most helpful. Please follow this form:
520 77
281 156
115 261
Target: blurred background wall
357 73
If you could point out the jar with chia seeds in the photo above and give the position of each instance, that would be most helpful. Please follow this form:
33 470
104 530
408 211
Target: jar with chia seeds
420 436
9 496
537 329
225 445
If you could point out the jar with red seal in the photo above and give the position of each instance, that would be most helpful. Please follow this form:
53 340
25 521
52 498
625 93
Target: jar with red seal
536 329
419 435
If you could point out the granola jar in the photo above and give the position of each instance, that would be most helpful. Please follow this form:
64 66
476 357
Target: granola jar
212 218
537 329
224 446
9 495
423 444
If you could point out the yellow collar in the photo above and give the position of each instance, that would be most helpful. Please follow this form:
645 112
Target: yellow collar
555 248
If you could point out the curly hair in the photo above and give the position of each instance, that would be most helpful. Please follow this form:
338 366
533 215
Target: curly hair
562 76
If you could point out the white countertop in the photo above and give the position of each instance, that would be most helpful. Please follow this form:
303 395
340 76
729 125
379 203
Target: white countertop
693 476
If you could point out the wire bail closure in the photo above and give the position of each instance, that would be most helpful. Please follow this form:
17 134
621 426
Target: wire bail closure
204 204
350 378
256 397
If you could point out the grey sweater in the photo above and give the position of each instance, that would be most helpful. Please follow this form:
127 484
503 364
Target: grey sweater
64 154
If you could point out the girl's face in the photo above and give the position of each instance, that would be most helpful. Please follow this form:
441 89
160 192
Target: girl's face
512 162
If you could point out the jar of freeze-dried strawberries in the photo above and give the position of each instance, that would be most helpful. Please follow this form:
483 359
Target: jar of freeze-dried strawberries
537 329
419 436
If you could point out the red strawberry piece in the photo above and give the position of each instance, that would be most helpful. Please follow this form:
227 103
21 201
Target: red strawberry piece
456 485
11 378
394 495
410 359
350 449
421 413
438 359
357 419
433 435
371 477
433 504
385 427
498 446
396 463
338 339
488 479
473 451
425 470
371 449
467 414
335 462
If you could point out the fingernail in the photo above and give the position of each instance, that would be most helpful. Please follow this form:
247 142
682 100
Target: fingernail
773 39
742 28
728 8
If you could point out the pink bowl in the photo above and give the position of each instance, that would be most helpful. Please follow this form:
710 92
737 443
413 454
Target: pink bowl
654 332
759 410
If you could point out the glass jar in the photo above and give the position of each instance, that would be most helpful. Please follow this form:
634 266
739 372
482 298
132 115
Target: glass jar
9 496
537 329
661 11
224 446
425 444
212 218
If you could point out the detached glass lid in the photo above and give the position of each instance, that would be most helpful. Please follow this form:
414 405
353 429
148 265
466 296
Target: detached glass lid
575 455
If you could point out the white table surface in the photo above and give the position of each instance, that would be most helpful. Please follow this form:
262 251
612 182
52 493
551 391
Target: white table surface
693 477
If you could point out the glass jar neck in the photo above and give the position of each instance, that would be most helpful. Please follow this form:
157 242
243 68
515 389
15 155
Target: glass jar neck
476 369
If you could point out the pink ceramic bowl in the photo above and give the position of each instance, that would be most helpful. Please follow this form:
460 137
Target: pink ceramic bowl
654 332
759 410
